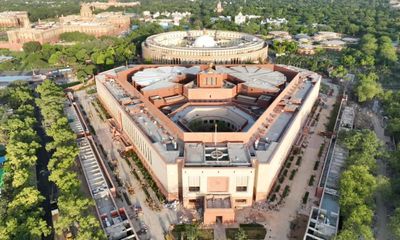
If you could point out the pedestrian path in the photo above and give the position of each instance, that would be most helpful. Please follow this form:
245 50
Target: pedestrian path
219 232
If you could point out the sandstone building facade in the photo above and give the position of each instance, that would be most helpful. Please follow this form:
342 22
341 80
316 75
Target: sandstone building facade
212 137
196 46
103 24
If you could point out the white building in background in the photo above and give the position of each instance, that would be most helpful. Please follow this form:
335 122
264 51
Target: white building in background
219 8
221 18
240 19
165 19
274 21
156 15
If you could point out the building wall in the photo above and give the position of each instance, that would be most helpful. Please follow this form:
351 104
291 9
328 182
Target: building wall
267 172
115 24
145 149
209 94
227 214
164 92
209 177
14 19
165 55
260 176
156 49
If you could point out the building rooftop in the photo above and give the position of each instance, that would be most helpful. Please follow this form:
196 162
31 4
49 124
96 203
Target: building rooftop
161 77
253 76
231 154
203 39
170 128
8 14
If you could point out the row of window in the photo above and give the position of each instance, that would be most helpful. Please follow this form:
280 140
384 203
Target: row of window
129 127
210 81
134 133
240 201
238 189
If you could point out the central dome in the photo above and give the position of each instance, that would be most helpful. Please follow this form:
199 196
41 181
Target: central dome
205 41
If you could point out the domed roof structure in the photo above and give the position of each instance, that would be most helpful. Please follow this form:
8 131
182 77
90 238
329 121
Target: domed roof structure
205 41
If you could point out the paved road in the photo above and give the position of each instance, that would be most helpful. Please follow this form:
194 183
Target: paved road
278 222
43 185
382 229
158 222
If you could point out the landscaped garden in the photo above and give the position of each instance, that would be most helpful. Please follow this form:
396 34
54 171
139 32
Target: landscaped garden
191 231
253 231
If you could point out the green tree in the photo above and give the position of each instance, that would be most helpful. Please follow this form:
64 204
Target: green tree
387 52
241 235
32 47
339 72
395 223
369 44
368 87
192 231
349 61
361 215
357 186
55 58
76 37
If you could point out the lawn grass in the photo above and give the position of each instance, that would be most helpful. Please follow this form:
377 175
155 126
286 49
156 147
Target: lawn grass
253 231
204 234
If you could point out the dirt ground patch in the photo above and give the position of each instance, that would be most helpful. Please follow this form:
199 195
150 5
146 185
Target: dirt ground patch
298 227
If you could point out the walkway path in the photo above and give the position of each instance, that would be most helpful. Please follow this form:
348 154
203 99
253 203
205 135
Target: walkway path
278 221
157 222
42 173
219 232
382 230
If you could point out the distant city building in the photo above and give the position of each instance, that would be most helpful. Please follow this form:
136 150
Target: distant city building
280 35
103 24
14 19
219 8
156 15
112 3
309 45
240 19
276 21
5 58
171 18
333 44
395 4
221 18
322 36
205 46
214 137
302 38
146 14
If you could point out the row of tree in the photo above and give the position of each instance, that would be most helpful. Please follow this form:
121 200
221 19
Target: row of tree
355 17
391 104
20 201
394 196
73 207
87 56
358 184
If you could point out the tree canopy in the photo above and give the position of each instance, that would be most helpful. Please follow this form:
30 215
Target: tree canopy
73 207
358 184
20 201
